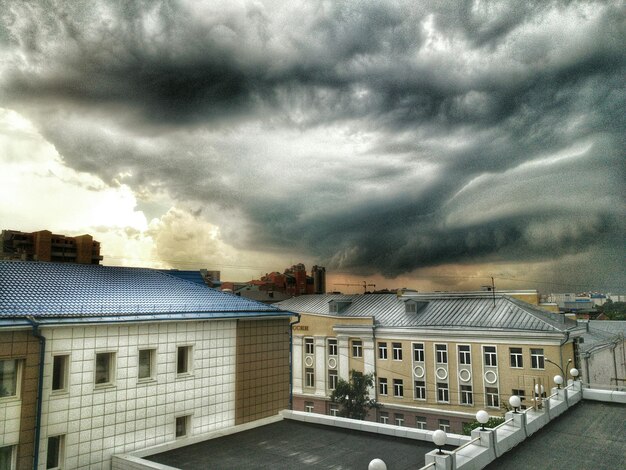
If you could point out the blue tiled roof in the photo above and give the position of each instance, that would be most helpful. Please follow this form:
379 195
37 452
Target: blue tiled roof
56 290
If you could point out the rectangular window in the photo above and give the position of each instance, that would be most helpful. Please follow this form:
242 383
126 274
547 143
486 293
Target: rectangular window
9 370
54 457
183 360
382 350
183 425
309 377
105 366
398 388
441 353
308 406
332 347
467 397
332 379
333 410
493 400
517 360
399 419
397 351
418 352
357 348
490 356
382 386
465 356
420 422
146 363
443 393
309 347
6 458
59 372
384 417
420 390
537 359
444 425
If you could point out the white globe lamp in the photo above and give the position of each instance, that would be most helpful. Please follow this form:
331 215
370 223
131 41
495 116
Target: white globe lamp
482 417
377 464
515 402
439 438
558 380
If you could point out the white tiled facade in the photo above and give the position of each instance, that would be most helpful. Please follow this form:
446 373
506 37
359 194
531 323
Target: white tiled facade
100 420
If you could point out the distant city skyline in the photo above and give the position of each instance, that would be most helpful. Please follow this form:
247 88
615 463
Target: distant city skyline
428 146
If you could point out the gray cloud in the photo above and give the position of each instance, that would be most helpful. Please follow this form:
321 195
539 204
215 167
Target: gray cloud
377 137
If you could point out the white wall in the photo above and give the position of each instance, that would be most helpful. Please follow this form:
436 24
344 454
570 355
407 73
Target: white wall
98 422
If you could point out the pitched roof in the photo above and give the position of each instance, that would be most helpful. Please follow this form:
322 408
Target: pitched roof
437 310
61 290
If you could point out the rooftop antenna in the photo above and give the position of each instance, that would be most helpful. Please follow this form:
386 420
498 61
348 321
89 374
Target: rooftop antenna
493 290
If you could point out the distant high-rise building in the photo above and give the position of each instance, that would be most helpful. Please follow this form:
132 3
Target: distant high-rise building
47 246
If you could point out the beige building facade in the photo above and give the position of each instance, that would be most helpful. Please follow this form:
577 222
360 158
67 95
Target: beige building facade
436 359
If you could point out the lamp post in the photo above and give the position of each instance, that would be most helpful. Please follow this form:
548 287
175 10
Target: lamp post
482 417
439 438
558 380
574 373
563 374
515 402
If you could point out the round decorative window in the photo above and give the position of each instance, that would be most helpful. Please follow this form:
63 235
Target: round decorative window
308 361
418 371
441 373
490 377
465 375
332 363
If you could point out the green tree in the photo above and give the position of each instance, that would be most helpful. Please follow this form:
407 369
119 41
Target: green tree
613 310
492 423
353 396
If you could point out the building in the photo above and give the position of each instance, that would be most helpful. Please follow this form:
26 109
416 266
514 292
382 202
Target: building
46 246
98 360
437 358
603 353
275 287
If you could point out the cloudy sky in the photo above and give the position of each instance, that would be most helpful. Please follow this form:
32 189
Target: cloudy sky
420 144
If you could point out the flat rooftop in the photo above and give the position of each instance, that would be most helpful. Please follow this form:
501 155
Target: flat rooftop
591 435
289 444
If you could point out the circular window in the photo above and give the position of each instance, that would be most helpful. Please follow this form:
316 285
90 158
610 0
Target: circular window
418 371
491 377
308 361
332 363
441 373
465 375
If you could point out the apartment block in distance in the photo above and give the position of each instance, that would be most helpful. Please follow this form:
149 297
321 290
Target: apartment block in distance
98 360
437 358
47 246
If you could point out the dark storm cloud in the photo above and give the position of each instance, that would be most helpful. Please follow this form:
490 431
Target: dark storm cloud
237 105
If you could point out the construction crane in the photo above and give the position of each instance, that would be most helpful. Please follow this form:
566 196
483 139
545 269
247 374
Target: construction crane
364 285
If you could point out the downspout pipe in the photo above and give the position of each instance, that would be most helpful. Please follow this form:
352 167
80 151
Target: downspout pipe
42 352
291 360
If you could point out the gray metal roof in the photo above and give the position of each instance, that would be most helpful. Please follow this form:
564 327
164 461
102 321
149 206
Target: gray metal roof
436 310
601 333
59 290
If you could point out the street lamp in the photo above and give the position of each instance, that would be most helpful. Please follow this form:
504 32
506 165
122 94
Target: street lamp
515 402
482 417
377 464
439 438
574 373
558 380
563 374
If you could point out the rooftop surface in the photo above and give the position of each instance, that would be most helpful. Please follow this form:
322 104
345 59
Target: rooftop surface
291 444
60 290
436 310
591 435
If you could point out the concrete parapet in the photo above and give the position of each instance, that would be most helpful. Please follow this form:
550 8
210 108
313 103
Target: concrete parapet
604 395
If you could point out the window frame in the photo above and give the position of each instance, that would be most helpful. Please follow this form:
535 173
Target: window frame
60 452
397 351
64 379
383 386
443 392
383 417
357 348
516 358
13 455
111 376
465 355
444 424
419 352
17 385
309 407
186 422
188 359
309 345
152 354
492 397
441 355
332 347
398 419
421 386
521 393
398 388
421 422
537 358
333 410
467 395
333 378
492 355
309 377
382 350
